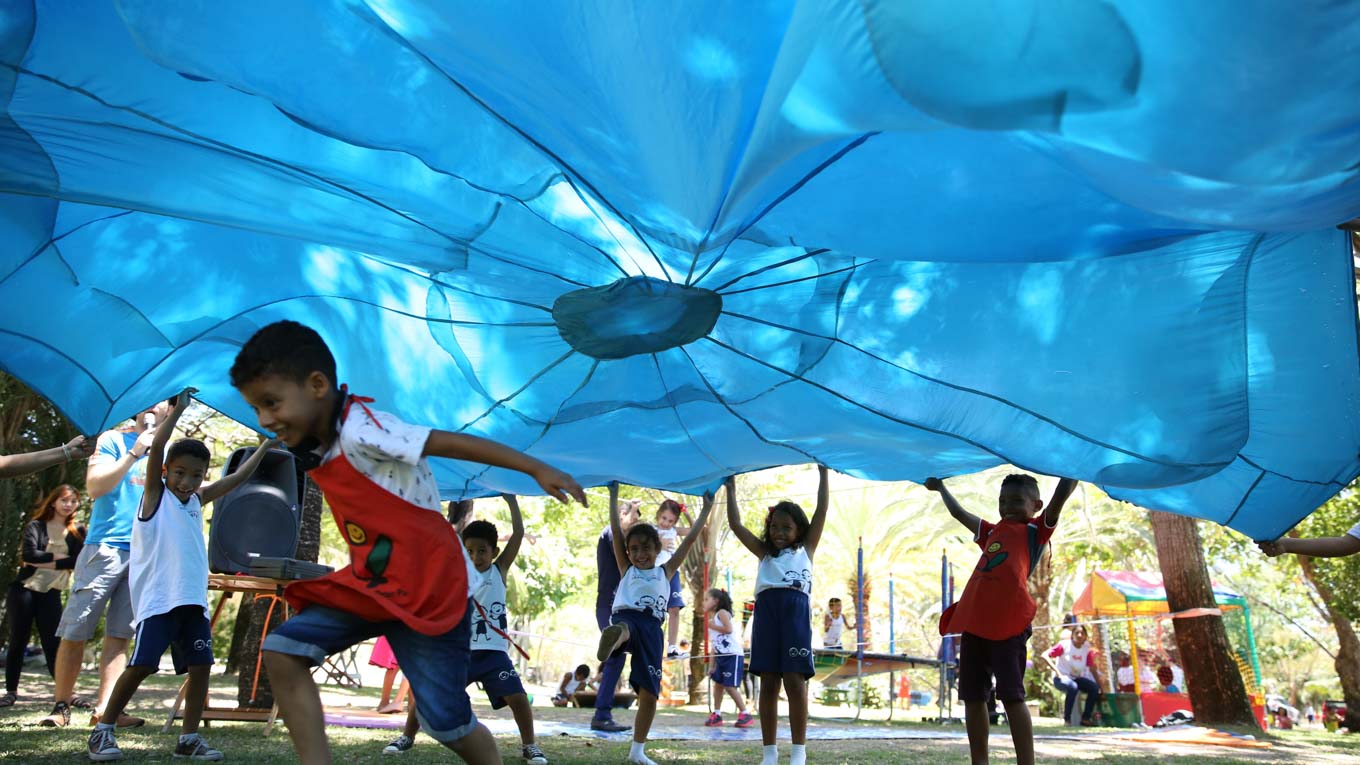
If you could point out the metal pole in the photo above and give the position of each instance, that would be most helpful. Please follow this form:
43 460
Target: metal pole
892 649
859 630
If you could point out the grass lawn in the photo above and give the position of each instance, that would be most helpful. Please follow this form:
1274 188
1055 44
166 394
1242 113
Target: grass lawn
22 741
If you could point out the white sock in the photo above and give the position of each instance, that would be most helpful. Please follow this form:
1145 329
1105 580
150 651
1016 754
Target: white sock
636 755
771 755
799 755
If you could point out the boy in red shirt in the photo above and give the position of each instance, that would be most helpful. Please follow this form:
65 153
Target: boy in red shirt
996 610
407 579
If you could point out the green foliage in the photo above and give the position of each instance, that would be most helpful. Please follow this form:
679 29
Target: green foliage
1340 575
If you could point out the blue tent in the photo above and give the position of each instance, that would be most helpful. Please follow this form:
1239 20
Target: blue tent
667 242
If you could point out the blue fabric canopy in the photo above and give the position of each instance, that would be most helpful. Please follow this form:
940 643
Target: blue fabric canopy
663 243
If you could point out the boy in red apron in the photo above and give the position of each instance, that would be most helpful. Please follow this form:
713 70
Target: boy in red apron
407 579
994 614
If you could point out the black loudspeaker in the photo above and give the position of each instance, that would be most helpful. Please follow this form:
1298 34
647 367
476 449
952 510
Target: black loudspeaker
259 517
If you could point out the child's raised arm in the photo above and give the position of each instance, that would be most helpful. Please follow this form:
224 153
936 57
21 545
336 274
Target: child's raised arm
512 544
226 483
155 457
1055 505
969 521
744 535
673 564
616 529
818 522
460 446
1319 547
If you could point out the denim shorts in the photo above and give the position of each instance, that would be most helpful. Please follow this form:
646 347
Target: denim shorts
437 667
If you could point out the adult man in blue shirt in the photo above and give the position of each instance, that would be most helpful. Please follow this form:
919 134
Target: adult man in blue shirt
606 582
115 479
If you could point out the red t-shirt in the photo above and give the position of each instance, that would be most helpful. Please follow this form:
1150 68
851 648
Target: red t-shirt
996 604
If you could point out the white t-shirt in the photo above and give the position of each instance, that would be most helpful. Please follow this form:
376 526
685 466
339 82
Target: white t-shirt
646 590
490 594
673 535
388 453
790 569
833 633
168 566
723 643
1073 661
1355 531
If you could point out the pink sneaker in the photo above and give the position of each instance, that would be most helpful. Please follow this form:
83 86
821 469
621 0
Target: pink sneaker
745 720
714 720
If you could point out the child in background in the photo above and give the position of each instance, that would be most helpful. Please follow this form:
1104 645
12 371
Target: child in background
490 660
834 625
571 683
168 575
382 657
996 609
781 638
407 578
640 608
667 516
727 660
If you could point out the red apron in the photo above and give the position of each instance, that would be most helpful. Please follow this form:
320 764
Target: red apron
406 562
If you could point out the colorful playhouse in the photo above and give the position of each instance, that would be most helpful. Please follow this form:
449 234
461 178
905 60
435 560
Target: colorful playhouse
1132 602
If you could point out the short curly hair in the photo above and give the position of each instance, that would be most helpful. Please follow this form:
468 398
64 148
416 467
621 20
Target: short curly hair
483 530
285 348
188 447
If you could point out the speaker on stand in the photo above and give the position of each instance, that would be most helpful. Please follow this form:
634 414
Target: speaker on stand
261 517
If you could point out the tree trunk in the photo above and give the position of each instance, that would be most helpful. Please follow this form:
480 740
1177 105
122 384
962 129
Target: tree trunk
236 653
1040 583
1347 660
1217 691
862 613
309 533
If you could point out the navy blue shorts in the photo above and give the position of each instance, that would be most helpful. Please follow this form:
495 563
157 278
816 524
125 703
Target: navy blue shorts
645 644
981 659
727 670
496 674
676 600
436 666
781 638
184 630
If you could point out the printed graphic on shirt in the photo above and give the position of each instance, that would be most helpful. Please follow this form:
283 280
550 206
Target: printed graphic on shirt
992 557
482 627
800 579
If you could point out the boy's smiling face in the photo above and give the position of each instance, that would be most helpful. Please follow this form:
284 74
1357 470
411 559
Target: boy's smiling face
183 475
291 410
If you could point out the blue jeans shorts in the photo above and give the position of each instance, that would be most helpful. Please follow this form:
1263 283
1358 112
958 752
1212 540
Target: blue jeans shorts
437 667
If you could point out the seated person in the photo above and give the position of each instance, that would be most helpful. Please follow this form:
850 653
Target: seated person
1123 675
571 683
1167 680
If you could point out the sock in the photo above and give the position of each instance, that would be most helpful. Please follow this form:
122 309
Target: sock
771 755
103 726
799 755
637 756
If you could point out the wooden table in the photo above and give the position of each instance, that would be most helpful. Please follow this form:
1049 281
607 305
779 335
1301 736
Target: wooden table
228 585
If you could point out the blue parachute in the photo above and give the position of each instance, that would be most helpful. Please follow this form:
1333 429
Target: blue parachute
665 242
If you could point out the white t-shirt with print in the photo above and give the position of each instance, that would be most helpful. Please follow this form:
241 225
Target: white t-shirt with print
388 452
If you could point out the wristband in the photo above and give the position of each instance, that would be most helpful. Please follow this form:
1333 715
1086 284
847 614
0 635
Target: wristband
64 454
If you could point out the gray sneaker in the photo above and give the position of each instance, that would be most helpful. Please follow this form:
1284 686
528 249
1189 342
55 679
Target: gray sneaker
400 745
103 746
533 755
193 747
